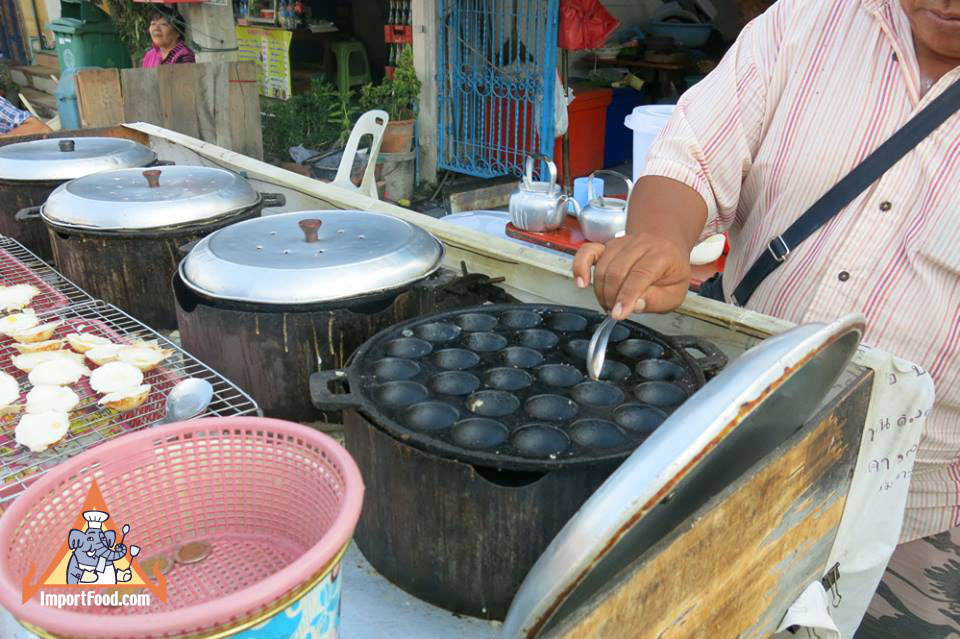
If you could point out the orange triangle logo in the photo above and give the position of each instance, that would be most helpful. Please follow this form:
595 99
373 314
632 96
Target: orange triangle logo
124 572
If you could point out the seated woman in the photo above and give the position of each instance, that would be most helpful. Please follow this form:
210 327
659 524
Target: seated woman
166 32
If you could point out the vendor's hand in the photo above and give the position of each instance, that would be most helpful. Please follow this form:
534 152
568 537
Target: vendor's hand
635 273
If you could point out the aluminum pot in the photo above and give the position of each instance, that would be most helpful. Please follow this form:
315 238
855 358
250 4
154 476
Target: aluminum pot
118 234
269 301
604 217
30 171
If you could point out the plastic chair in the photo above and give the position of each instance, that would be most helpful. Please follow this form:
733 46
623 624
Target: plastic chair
353 68
370 123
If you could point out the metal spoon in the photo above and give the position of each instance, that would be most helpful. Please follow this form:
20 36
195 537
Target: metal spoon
597 350
188 399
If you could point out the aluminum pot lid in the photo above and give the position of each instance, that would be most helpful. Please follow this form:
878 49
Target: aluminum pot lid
141 199
310 257
69 158
736 419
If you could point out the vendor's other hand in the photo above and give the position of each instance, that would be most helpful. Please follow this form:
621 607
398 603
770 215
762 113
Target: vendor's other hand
635 273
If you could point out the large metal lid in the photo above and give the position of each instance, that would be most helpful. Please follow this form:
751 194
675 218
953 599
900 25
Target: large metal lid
739 417
69 158
310 257
141 199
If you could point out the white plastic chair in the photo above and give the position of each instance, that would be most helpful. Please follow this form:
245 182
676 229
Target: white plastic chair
370 123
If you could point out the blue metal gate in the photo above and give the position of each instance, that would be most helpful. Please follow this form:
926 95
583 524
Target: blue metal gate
496 75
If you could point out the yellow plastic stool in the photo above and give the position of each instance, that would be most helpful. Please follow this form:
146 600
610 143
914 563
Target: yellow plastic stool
353 68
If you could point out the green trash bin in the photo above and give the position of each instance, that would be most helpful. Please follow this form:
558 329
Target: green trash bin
86 37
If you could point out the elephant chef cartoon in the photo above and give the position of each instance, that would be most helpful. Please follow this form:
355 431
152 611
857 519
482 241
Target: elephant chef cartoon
94 553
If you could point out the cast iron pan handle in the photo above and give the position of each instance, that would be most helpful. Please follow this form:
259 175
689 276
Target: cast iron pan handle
28 213
713 359
273 199
321 395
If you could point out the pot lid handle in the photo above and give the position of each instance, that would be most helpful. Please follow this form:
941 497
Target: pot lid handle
67 146
153 178
311 229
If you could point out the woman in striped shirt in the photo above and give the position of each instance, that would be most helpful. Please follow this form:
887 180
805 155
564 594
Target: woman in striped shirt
810 89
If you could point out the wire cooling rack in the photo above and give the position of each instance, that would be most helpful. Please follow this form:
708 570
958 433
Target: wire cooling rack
18 265
90 423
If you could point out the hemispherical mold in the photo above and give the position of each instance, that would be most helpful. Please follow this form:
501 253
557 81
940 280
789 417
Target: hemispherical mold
395 394
640 349
519 319
597 393
437 332
538 338
567 322
454 383
476 322
391 369
617 335
660 394
577 348
660 370
540 441
552 408
479 433
559 375
484 342
520 357
455 359
430 416
640 418
508 379
614 371
493 403
597 433
408 348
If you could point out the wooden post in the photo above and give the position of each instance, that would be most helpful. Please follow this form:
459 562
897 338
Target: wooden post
212 27
425 63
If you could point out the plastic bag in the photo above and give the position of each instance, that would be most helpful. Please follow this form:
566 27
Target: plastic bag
561 103
585 24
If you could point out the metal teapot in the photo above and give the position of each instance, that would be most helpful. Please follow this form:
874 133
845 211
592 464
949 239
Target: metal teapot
539 206
603 217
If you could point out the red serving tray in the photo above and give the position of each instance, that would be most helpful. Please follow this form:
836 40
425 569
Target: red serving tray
568 239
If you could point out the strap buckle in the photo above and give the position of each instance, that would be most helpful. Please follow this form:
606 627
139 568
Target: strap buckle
781 255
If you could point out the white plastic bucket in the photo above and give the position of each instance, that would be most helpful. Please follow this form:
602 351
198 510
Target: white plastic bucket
646 121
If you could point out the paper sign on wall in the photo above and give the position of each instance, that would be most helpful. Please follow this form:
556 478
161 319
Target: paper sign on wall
270 50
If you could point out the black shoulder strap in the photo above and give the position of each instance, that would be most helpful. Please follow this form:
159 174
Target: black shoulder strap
847 189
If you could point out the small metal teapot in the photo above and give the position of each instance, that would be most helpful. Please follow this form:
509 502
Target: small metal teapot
539 206
603 217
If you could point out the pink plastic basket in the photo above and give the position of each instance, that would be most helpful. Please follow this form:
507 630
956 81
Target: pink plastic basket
277 502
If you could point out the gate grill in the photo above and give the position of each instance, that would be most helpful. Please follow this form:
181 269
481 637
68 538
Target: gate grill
496 77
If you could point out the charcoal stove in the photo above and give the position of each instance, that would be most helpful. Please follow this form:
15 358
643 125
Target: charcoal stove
481 426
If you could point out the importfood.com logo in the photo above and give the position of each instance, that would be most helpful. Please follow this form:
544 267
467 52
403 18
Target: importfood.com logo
93 598
95 560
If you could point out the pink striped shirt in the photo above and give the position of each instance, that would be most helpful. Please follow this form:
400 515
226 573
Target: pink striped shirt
810 88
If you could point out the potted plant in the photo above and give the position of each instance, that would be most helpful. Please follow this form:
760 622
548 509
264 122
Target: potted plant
399 97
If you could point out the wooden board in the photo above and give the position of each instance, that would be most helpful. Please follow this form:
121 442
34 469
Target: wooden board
216 102
568 238
98 97
732 569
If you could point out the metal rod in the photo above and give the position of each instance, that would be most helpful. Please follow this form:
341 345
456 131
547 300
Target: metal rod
565 74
